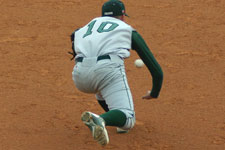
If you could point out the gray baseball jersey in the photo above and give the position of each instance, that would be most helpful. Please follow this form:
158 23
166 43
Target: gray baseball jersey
103 35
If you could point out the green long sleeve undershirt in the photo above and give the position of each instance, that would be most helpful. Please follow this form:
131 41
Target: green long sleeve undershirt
139 45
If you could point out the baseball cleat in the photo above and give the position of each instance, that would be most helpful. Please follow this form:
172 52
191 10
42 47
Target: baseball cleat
120 130
97 126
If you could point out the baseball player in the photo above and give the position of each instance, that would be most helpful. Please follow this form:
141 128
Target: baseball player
100 48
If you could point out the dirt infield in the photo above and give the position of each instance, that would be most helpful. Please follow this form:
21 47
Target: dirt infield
40 107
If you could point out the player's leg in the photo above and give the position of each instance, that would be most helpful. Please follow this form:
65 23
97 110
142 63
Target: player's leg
119 117
119 100
103 104
84 82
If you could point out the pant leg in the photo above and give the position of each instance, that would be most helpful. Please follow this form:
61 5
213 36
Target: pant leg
118 96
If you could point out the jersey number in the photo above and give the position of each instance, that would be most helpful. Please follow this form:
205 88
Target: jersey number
102 28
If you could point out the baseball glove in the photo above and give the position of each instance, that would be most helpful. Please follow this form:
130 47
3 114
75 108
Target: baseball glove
73 53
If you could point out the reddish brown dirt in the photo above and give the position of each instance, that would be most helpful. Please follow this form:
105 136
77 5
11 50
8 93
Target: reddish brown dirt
40 107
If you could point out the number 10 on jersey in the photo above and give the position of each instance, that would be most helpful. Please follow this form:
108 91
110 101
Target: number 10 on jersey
102 28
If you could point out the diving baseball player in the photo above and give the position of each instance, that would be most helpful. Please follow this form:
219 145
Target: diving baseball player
100 48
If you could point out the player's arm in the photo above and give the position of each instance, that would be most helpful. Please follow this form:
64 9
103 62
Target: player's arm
139 45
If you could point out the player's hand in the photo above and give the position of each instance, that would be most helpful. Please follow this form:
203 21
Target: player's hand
148 96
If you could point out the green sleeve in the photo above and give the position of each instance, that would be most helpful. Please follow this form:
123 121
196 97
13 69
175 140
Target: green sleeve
139 45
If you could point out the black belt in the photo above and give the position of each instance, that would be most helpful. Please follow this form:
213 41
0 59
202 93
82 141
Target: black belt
80 59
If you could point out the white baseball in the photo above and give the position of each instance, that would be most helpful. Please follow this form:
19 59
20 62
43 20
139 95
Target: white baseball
139 63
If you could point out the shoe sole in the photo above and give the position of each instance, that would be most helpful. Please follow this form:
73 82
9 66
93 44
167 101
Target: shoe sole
99 133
